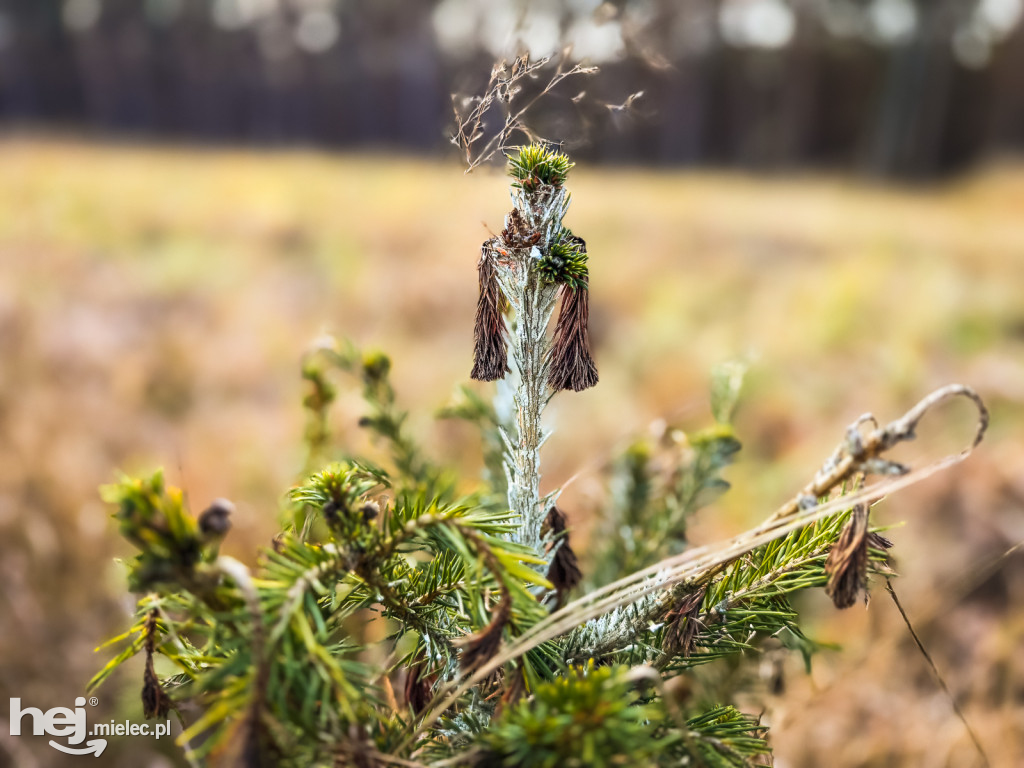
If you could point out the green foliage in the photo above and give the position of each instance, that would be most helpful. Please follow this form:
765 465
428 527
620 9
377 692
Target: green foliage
726 385
279 646
470 407
750 599
604 717
282 660
656 487
153 518
536 165
588 717
385 420
565 262
722 737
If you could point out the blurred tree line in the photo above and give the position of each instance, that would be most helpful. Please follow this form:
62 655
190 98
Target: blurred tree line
908 88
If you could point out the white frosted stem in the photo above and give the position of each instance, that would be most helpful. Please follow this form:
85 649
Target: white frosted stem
532 301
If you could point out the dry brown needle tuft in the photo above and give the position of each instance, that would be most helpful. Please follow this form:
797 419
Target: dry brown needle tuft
490 352
571 364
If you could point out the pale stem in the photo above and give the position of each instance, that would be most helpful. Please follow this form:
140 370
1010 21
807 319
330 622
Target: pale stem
532 301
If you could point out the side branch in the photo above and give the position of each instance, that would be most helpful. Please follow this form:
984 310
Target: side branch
697 567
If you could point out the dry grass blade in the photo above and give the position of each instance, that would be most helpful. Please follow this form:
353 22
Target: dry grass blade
938 676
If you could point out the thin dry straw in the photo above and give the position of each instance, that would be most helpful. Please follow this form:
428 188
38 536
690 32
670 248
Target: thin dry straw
697 562
955 588
938 675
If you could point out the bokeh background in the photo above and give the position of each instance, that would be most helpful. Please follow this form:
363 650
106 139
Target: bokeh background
831 190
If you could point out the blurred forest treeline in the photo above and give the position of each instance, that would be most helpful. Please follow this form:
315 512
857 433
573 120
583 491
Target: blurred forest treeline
901 88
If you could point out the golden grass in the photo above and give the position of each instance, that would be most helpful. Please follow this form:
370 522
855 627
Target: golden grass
154 303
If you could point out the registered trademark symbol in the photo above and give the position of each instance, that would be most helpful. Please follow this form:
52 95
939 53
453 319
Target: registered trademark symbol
93 701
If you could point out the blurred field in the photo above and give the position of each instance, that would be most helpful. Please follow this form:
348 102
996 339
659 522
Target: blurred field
154 304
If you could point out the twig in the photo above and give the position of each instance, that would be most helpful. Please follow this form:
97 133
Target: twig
502 88
858 454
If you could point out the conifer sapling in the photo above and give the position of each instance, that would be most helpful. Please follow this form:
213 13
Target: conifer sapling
394 622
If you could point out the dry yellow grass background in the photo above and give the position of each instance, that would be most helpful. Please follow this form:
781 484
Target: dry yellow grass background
154 303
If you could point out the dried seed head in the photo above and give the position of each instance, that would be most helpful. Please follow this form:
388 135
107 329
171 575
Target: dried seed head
684 621
878 541
490 351
847 563
571 364
564 571
517 233
554 523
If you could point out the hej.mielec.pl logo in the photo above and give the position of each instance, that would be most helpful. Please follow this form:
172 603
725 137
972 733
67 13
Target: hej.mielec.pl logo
70 724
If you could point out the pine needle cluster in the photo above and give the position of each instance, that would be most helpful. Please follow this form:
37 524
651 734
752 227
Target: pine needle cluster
566 261
537 165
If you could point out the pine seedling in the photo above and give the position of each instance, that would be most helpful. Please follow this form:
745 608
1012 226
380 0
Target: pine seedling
394 622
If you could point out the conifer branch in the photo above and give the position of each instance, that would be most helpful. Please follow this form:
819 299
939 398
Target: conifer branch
697 567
